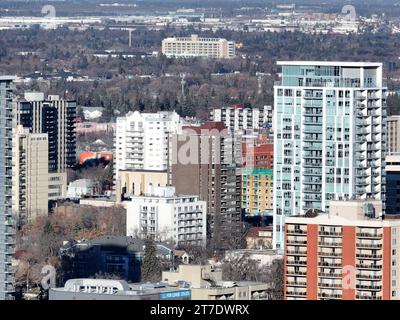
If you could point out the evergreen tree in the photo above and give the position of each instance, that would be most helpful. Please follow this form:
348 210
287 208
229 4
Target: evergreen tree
151 267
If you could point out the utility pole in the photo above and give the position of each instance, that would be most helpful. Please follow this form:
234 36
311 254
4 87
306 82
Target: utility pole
259 81
183 84
130 37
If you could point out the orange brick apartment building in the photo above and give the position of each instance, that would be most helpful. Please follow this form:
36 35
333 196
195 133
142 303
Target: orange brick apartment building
350 254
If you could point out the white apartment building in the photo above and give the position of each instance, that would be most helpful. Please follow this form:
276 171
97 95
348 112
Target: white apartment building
240 118
167 216
194 46
329 136
142 140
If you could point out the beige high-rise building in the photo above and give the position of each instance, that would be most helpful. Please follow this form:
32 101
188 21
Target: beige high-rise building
30 174
194 46
393 134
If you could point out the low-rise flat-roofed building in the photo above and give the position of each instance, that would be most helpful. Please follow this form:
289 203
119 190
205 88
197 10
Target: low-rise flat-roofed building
101 202
118 256
136 182
206 283
259 237
194 46
82 188
106 289
57 185
263 257
167 216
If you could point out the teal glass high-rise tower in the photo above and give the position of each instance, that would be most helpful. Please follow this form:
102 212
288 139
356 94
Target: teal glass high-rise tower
329 137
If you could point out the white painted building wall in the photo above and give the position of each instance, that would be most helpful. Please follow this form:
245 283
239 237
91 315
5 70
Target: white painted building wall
142 140
167 216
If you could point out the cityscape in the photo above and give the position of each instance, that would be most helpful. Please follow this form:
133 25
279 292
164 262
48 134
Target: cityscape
218 151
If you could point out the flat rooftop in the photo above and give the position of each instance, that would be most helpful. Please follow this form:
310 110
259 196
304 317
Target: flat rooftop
8 78
329 63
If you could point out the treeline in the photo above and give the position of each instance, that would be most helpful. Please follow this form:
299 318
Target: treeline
119 87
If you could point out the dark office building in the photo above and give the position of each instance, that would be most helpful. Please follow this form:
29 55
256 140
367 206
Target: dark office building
393 184
113 255
56 117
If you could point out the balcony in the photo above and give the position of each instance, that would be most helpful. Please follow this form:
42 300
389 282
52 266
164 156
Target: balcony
330 234
329 295
310 122
329 254
315 113
368 288
329 244
298 293
296 273
296 263
297 243
330 275
313 96
368 266
369 235
367 297
296 253
296 283
362 276
308 155
330 264
369 256
311 190
312 198
360 96
330 285
369 245
296 231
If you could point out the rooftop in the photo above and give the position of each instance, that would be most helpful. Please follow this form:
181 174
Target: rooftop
207 126
131 244
8 78
330 63
255 231
115 287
